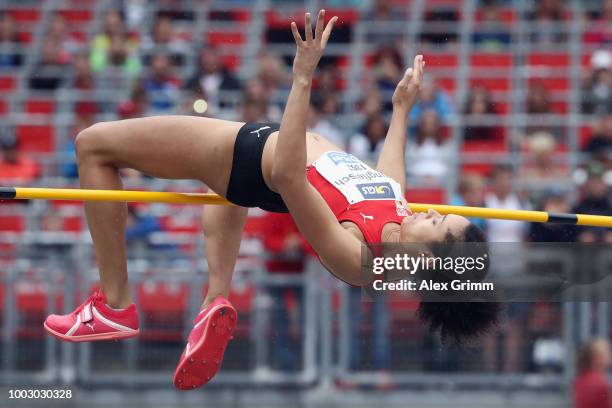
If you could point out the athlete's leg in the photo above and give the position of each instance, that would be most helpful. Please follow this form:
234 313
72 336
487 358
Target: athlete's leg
222 226
173 147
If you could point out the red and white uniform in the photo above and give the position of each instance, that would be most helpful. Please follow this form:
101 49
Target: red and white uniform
355 192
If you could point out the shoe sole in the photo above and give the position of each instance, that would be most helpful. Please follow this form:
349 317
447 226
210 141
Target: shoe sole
204 361
92 337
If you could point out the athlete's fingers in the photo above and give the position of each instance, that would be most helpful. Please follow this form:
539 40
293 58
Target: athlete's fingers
327 31
296 33
320 26
308 28
418 69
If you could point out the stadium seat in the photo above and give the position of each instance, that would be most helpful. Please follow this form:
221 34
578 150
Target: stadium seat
25 15
12 223
550 60
441 60
426 195
35 138
490 60
7 83
42 106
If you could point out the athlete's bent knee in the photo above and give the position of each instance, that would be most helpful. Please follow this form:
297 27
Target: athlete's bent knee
90 142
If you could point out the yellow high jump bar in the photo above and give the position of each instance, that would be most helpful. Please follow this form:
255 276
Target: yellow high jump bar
17 193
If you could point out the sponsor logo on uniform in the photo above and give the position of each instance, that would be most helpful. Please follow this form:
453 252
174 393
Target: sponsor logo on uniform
400 209
376 191
342 158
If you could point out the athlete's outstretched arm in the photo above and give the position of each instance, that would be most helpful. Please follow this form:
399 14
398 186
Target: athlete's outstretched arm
338 250
290 153
392 159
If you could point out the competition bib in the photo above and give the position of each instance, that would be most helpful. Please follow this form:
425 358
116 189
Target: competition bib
356 180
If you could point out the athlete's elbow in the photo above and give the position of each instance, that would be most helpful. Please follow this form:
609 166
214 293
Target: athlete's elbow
282 177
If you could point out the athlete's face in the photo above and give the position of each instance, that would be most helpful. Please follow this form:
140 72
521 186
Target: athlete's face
431 226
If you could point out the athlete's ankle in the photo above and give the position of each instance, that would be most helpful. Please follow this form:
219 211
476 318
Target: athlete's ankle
119 302
210 297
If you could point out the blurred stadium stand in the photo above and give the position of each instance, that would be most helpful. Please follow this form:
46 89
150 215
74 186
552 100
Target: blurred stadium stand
46 259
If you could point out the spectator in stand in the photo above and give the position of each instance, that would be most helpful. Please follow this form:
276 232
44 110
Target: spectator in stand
599 31
58 32
591 389
164 39
480 110
431 97
368 143
470 192
82 80
328 80
272 73
378 17
502 196
212 80
387 72
113 51
541 166
596 199
380 348
136 106
548 22
50 70
319 123
68 167
10 43
539 103
371 101
162 87
440 26
428 156
15 166
554 201
135 12
285 254
256 103
597 92
600 145
491 33
509 261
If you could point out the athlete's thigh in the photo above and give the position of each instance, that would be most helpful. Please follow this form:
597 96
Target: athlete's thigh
172 147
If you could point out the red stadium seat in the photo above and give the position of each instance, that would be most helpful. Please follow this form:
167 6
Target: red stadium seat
441 60
426 195
507 15
549 59
35 138
12 223
254 226
4 108
77 15
44 106
26 15
7 83
559 83
490 59
492 84
226 38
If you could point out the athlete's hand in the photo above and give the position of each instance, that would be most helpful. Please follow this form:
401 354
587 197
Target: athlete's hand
408 88
309 51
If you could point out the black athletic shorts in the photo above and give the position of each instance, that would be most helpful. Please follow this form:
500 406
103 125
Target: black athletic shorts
247 187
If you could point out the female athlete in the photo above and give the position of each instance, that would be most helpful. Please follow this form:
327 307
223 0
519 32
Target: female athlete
337 201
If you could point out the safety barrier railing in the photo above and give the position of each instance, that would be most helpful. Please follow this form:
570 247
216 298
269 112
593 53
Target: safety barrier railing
58 276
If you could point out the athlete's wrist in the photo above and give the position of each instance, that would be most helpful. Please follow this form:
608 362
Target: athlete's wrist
302 79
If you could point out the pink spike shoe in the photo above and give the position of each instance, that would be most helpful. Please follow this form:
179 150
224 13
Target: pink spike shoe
203 355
